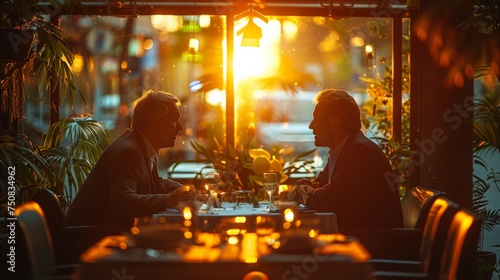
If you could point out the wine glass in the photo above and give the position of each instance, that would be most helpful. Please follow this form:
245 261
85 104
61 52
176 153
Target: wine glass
270 183
213 180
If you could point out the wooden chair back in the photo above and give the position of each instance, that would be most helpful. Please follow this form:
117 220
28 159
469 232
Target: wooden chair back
434 234
31 221
459 255
416 204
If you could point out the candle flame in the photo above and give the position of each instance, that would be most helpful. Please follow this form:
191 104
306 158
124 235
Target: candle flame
186 212
233 240
283 188
289 215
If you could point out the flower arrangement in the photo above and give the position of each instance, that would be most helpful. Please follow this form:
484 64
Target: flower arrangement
242 167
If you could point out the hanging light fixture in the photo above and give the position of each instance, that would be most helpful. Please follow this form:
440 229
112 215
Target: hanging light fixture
251 33
193 45
370 55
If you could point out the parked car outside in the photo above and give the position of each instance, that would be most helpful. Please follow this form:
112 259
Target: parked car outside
283 119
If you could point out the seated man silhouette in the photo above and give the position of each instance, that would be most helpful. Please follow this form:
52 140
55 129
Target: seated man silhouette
357 182
124 183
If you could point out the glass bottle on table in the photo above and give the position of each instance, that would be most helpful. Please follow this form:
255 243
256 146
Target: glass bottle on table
270 184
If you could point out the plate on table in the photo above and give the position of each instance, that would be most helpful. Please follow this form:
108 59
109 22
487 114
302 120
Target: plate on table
264 204
305 209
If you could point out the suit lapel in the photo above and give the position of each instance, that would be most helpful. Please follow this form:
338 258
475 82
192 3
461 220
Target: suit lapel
152 170
342 154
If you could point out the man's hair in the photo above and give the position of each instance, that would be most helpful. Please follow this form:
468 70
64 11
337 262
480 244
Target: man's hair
152 106
339 104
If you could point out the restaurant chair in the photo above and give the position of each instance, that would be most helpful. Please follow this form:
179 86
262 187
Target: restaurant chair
458 259
69 241
37 245
386 243
55 218
416 204
433 238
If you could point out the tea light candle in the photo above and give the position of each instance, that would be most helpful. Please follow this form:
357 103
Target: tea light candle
282 188
283 192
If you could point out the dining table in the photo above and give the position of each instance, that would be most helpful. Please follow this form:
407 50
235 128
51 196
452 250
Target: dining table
209 222
334 257
247 244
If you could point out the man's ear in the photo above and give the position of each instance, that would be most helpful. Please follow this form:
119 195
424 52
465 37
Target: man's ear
151 128
334 123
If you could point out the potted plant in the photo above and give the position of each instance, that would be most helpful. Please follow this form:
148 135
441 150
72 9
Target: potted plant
30 169
486 141
48 56
490 218
71 148
242 167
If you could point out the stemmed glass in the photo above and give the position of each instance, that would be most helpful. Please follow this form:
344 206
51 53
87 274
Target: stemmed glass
213 180
270 183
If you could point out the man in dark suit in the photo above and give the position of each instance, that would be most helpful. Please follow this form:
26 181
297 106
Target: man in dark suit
124 183
357 183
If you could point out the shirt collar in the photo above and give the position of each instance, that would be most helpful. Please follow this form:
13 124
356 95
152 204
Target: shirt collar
334 154
150 150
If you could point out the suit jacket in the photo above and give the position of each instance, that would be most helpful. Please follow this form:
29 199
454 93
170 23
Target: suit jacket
121 186
362 190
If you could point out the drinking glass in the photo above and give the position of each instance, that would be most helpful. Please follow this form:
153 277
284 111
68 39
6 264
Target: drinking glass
244 199
270 183
207 206
263 197
228 200
213 180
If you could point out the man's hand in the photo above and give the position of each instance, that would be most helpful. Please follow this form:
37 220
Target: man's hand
301 192
181 194
307 182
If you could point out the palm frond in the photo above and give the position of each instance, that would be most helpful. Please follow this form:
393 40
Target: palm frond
490 218
486 127
18 152
72 146
69 131
71 171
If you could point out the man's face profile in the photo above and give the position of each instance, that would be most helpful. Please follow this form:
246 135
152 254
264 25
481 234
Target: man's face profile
319 125
168 126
